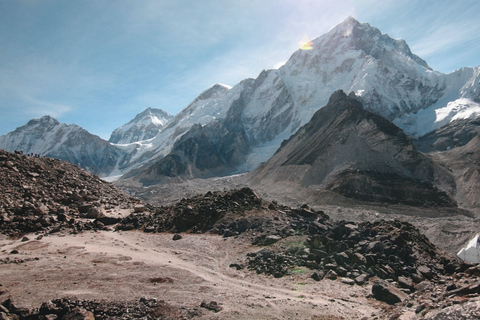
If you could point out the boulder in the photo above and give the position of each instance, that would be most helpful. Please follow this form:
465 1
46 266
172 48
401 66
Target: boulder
213 306
271 239
384 291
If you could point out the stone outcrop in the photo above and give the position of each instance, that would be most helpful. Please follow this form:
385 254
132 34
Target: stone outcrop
389 250
200 213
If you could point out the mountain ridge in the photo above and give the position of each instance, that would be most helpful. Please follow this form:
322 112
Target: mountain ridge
351 151
46 136
354 57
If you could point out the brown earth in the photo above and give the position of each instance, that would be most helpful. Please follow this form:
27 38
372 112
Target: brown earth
125 266
69 258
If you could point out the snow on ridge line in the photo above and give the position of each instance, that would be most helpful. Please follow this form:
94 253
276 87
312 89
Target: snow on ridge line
462 108
220 84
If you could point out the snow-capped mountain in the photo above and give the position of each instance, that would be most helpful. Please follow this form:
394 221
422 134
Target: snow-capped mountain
232 129
389 79
144 126
210 105
48 137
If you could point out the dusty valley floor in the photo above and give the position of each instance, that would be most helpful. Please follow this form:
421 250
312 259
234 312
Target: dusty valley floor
124 266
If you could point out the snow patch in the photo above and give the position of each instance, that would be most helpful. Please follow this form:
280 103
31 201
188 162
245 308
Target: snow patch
462 108
471 252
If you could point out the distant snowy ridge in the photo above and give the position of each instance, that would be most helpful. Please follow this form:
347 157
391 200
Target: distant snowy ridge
459 99
48 137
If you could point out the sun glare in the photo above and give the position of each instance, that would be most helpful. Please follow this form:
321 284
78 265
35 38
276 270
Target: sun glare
305 43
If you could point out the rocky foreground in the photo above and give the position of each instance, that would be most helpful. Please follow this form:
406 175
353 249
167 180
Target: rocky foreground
41 194
388 264
403 265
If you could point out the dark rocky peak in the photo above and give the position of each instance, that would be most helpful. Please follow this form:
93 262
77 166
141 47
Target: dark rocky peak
351 151
329 125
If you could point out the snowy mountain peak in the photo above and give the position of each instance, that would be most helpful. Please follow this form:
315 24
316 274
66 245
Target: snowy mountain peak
45 121
158 116
48 137
357 57
362 36
144 126
214 91
346 27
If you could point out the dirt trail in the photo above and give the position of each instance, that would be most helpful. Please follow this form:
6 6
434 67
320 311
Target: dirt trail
128 265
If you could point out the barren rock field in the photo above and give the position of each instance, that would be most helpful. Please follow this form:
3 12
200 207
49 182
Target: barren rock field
75 247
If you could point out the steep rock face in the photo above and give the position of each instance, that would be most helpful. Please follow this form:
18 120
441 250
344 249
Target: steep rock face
198 153
351 151
144 126
222 146
48 137
357 57
453 135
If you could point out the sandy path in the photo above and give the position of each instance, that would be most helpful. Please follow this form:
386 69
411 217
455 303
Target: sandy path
130 265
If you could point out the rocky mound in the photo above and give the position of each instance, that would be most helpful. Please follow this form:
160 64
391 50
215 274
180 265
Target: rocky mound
355 153
228 213
47 195
390 250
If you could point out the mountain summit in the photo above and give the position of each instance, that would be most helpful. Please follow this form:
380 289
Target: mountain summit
231 130
48 137
355 153
144 126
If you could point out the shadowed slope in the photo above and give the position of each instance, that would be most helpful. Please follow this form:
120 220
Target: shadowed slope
355 153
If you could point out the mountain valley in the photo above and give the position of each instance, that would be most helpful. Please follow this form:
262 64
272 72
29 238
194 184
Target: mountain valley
347 179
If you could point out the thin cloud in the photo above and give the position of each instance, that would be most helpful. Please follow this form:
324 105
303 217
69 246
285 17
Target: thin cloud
444 38
38 108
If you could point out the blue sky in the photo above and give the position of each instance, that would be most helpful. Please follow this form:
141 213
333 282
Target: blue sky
98 63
